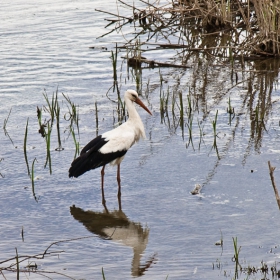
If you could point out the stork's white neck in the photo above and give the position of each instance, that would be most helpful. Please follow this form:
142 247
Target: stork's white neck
132 112
134 118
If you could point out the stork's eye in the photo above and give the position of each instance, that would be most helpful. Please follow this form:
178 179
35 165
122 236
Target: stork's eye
134 96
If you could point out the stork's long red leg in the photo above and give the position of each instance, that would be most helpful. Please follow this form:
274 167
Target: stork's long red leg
119 184
102 186
119 179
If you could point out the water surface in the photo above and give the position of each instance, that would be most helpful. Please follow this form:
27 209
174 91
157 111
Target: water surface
162 229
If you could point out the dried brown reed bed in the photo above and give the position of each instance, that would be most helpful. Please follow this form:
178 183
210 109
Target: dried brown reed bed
231 29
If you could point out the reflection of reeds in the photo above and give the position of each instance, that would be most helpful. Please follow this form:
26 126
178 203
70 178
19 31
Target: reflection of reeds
189 125
214 125
181 113
230 111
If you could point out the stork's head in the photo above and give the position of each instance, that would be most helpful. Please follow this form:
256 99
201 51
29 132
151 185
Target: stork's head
133 96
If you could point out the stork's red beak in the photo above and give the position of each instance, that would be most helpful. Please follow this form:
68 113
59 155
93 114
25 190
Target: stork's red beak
139 102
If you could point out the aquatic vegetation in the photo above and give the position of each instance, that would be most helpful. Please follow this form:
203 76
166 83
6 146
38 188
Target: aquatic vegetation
5 127
50 108
114 58
25 264
236 255
96 118
24 147
214 124
103 274
77 144
230 111
57 115
48 147
6 121
72 115
226 20
32 180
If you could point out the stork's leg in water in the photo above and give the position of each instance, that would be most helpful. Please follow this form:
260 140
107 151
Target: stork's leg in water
119 185
102 186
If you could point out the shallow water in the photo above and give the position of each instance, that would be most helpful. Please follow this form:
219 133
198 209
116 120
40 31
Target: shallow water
168 231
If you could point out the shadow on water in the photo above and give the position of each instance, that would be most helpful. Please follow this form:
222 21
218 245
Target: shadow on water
115 226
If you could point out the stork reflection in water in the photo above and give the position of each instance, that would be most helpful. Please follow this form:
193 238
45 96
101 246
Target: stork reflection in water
116 226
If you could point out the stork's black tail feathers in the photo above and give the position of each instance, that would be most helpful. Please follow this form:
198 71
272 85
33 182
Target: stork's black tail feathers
91 157
79 166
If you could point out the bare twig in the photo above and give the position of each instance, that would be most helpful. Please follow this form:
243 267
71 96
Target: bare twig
118 16
271 170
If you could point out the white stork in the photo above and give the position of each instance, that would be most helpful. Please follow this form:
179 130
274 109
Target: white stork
112 146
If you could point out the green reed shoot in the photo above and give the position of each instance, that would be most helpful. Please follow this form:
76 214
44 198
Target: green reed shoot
24 147
51 105
121 106
57 115
32 180
103 275
48 144
77 144
41 130
73 113
114 58
236 253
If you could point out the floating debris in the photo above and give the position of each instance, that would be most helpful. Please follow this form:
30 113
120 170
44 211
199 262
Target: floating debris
196 189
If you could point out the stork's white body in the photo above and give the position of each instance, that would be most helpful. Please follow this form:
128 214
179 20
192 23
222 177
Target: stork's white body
125 135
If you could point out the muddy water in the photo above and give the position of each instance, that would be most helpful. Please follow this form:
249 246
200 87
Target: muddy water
162 229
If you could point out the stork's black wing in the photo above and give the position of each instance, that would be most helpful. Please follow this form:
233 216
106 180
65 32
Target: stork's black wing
91 158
